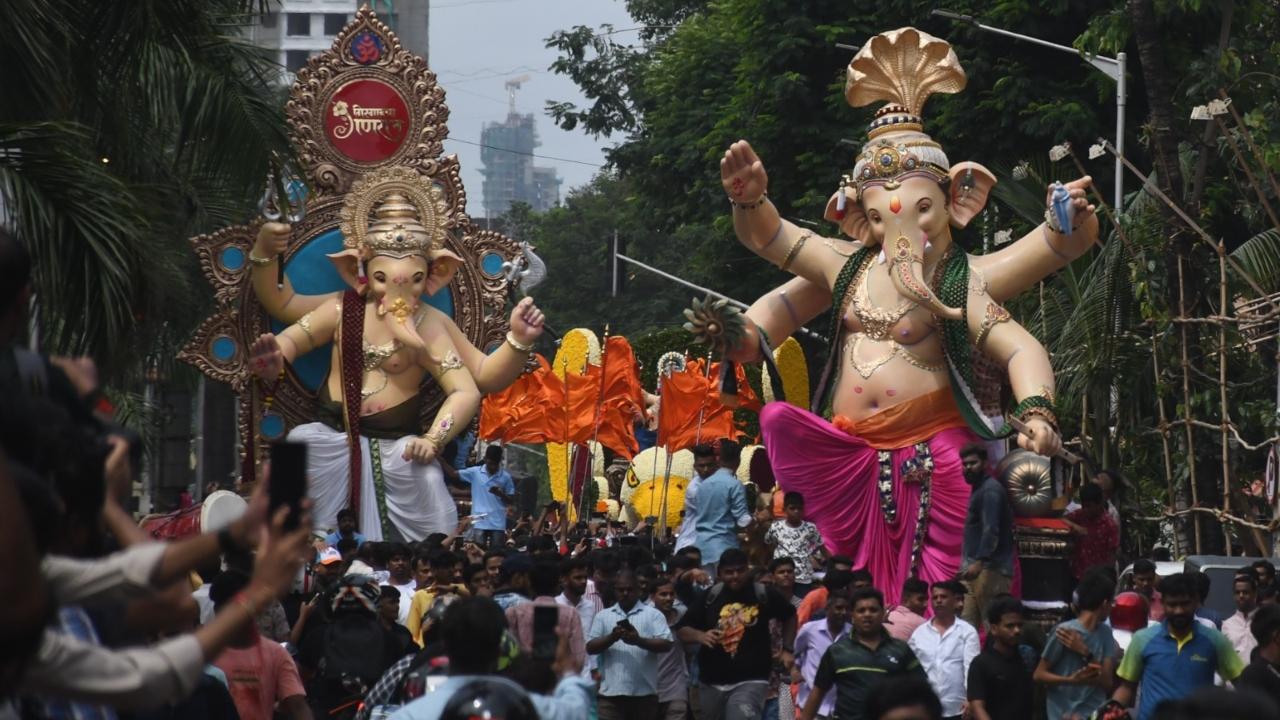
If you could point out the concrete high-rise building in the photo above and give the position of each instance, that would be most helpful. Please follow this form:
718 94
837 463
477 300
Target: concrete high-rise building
509 173
300 29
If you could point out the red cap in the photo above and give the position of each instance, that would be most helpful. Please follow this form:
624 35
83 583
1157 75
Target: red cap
1129 612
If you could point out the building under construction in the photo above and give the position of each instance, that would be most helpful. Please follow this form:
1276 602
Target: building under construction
509 173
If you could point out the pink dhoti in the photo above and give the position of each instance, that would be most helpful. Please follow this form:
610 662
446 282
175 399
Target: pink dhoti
864 482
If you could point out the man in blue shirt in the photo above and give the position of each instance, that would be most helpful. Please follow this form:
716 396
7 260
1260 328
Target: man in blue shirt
628 638
346 529
1172 660
491 490
722 503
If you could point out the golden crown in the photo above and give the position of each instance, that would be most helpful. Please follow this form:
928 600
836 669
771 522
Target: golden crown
902 68
411 216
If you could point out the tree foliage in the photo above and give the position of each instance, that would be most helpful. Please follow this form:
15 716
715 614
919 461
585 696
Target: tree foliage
124 129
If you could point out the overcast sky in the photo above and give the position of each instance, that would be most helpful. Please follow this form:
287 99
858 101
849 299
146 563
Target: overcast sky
476 45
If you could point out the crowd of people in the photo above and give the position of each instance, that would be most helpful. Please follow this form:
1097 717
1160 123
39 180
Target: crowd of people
741 615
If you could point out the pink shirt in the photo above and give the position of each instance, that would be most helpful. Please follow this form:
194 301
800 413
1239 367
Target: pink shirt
258 677
901 622
520 622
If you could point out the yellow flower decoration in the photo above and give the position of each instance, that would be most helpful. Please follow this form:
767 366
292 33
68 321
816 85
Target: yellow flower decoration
744 468
642 491
795 372
579 347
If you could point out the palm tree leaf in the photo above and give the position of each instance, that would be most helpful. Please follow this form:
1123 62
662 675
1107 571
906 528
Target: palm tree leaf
1260 257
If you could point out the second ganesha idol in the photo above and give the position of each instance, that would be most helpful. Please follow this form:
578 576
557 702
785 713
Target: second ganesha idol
917 322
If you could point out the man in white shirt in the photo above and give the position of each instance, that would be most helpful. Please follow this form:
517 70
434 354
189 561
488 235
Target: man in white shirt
1236 627
945 646
400 569
811 642
687 533
628 638
573 581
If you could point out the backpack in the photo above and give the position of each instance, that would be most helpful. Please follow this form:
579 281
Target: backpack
354 657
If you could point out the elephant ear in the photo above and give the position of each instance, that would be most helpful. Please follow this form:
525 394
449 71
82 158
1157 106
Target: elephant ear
444 265
971 184
854 223
347 264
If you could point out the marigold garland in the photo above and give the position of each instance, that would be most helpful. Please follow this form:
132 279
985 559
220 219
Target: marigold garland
578 347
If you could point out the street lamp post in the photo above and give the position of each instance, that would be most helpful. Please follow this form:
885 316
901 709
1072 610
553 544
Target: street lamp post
1113 68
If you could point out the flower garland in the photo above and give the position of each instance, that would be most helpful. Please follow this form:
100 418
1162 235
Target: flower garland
888 505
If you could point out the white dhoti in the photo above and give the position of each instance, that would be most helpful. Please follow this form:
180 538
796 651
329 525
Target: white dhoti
414 498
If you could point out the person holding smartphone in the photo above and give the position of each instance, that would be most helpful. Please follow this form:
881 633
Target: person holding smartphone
492 489
629 639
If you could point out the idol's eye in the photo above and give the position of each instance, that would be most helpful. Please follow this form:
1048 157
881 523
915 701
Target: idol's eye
925 205
875 217
380 276
418 277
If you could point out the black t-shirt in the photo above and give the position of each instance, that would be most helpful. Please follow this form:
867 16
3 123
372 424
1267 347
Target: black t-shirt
1261 676
1003 683
745 652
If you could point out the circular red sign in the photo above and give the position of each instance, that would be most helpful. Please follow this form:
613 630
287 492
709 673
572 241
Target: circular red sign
367 120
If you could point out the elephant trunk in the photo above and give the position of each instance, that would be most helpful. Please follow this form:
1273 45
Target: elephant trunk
398 316
907 275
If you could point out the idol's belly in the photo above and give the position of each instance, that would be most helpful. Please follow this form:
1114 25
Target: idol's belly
875 376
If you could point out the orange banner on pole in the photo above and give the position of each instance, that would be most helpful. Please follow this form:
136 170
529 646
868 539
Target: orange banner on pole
600 403
692 411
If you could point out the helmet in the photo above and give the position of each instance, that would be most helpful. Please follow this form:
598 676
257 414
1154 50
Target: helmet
356 593
1129 612
489 699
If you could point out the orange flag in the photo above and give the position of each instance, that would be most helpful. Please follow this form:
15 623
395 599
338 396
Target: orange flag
583 391
623 398
600 403
691 410
523 411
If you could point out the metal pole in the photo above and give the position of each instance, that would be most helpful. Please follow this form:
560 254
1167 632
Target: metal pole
1121 90
736 303
1113 67
615 263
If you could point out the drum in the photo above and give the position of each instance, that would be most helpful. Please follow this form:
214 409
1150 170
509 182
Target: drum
219 510
1028 479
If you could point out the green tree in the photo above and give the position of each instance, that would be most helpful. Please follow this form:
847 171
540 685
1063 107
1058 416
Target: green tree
124 129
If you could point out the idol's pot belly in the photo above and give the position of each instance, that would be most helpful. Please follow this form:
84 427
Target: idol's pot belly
896 381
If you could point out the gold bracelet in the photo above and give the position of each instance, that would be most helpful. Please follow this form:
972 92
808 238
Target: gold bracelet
260 261
750 205
519 347
796 247
1043 413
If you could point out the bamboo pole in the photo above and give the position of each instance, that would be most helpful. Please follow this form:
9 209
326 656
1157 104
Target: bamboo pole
1200 231
1222 398
1248 172
1248 138
1186 405
1164 441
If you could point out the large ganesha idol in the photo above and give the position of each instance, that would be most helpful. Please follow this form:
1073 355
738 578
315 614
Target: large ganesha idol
367 448
915 319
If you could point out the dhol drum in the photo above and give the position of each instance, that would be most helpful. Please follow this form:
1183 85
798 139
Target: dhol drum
220 509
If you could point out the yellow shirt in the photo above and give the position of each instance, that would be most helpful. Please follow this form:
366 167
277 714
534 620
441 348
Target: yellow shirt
422 602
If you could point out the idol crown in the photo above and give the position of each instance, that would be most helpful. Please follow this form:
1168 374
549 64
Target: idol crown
901 68
411 216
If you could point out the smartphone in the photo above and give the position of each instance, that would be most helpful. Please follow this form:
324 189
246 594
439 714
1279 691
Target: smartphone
545 619
288 481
